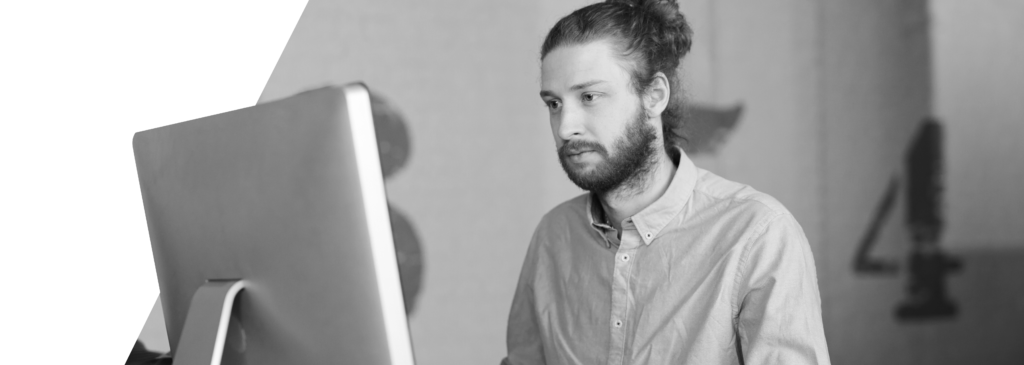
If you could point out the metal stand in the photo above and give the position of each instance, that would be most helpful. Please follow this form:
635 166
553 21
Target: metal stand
206 326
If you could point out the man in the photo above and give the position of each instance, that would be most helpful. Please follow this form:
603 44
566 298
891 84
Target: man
661 262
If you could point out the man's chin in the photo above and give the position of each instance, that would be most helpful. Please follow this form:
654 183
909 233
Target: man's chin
587 182
579 174
578 168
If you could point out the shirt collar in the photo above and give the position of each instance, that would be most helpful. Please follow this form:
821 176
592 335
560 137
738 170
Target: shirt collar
652 220
598 220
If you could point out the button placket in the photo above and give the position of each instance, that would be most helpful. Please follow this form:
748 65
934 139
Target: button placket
620 289
623 264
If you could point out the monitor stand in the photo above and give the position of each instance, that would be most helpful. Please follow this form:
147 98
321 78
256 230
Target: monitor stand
206 325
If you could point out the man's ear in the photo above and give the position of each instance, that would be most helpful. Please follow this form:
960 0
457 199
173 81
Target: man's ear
657 95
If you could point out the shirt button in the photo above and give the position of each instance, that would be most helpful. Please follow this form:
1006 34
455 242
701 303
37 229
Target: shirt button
648 235
625 258
617 323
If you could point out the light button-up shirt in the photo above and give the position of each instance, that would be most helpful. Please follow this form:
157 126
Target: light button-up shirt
713 272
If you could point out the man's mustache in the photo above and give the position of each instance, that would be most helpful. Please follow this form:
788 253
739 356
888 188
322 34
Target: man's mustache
579 146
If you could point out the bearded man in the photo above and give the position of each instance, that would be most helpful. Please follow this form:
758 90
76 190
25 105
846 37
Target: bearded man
661 262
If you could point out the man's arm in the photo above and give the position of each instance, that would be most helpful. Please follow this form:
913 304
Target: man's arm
779 319
523 335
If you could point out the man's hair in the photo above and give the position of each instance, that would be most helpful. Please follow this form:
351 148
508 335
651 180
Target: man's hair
653 34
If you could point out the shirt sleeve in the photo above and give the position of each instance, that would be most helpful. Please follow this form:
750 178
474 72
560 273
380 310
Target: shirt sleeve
779 314
523 336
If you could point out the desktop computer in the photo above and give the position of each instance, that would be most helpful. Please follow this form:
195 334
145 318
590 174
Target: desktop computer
271 234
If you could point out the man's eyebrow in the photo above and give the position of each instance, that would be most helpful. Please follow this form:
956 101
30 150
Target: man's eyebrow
585 85
545 93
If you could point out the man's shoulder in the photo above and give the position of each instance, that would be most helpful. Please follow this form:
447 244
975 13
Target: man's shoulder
715 191
758 218
572 210
558 224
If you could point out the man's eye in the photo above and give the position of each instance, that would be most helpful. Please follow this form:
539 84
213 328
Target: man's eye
588 97
554 104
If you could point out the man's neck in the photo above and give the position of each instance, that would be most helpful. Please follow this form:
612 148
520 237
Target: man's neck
627 201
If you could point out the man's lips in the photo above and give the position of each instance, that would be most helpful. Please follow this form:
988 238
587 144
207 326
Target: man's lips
578 152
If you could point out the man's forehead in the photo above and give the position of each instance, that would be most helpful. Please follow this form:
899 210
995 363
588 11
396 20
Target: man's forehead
572 65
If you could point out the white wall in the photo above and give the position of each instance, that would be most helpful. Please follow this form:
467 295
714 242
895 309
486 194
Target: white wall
886 66
979 97
875 91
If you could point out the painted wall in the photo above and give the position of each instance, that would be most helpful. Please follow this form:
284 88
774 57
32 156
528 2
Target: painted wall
878 82
833 92
876 88
979 85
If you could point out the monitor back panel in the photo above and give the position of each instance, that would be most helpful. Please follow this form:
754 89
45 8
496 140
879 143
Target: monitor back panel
268 194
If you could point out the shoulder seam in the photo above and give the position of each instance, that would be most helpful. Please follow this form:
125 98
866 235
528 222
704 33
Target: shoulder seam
774 210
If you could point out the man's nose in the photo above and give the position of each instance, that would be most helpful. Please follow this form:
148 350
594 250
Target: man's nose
571 123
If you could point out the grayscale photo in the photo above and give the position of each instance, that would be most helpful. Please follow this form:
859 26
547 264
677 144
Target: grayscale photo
585 182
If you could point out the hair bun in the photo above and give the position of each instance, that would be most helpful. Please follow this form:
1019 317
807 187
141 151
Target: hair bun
676 30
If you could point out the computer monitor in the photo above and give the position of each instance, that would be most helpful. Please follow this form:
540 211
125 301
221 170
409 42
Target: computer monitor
271 235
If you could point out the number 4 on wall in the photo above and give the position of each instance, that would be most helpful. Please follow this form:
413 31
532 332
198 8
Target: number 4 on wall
863 262
928 265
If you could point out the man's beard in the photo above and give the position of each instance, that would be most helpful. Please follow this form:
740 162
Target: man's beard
628 167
